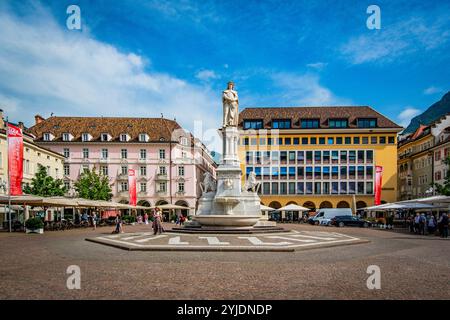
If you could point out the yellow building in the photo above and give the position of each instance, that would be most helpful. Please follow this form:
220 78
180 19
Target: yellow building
33 155
319 157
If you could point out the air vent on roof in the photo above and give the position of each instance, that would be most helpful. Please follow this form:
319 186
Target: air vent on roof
162 139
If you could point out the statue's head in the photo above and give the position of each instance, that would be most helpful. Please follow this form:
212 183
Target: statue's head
230 85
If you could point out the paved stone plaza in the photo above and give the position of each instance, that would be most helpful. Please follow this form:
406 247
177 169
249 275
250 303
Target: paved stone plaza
412 267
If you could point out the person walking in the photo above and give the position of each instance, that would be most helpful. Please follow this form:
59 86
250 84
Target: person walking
431 224
157 224
94 220
146 218
118 222
417 223
444 223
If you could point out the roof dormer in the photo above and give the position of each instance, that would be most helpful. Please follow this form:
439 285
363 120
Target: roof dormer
66 136
124 137
143 137
47 136
104 137
86 137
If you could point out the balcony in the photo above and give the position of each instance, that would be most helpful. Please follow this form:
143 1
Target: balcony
162 177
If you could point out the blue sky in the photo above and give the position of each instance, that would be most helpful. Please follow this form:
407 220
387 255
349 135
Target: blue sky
144 58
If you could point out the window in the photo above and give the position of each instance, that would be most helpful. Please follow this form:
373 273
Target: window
343 187
280 141
283 172
104 170
124 170
326 188
367 122
334 156
266 188
104 153
274 187
67 185
351 187
326 157
369 156
283 156
338 140
343 172
313 140
300 157
355 140
291 156
162 154
85 137
253 141
382 140
348 140
369 187
143 170
309 187
317 156
266 172
317 172
47 137
283 188
183 140
304 140
143 138
66 153
253 124
180 186
391 140
373 140
296 141
338 123
246 141
292 172
124 153
262 141
85 153
66 170
352 156
124 186
162 187
326 172
351 172
275 156
249 157
334 187
181 171
317 188
330 140
143 154
360 172
365 140
300 172
162 170
309 156
300 188
309 172
143 187
66 137
360 186
309 123
287 141
281 124
343 156
369 172
123 137
85 168
321 140
104 137
360 156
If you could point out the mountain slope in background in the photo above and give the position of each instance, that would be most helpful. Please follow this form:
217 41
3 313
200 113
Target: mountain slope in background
432 113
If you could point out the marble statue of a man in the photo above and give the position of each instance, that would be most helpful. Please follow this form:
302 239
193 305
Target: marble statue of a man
230 106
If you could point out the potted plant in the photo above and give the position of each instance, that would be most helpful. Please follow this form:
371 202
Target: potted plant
34 225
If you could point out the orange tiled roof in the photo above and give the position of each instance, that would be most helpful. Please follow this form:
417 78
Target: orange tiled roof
158 129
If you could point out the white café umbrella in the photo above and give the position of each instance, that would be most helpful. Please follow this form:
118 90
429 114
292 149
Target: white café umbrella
293 207
266 208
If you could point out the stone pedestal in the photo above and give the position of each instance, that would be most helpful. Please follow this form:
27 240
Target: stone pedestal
229 205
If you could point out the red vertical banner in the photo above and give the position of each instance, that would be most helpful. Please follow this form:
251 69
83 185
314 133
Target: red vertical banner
15 159
132 186
378 178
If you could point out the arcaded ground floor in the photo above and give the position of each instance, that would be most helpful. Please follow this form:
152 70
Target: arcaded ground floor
411 267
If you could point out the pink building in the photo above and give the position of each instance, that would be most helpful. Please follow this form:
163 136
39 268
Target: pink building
169 162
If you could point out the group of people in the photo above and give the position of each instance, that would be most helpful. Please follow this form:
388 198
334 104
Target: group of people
156 224
90 218
428 224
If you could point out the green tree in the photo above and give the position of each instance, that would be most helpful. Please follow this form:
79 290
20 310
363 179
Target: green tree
44 185
444 189
93 186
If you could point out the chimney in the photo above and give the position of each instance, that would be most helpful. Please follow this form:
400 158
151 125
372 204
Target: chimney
38 119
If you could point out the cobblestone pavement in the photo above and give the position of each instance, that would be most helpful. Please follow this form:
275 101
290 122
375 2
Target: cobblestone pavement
412 267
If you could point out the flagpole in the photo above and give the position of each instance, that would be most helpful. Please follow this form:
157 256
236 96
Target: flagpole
9 178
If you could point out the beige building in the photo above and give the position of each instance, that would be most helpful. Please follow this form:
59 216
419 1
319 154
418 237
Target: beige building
33 155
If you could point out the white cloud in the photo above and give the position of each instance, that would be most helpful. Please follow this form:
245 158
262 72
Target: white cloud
206 75
433 90
396 40
305 89
317 65
46 68
404 118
